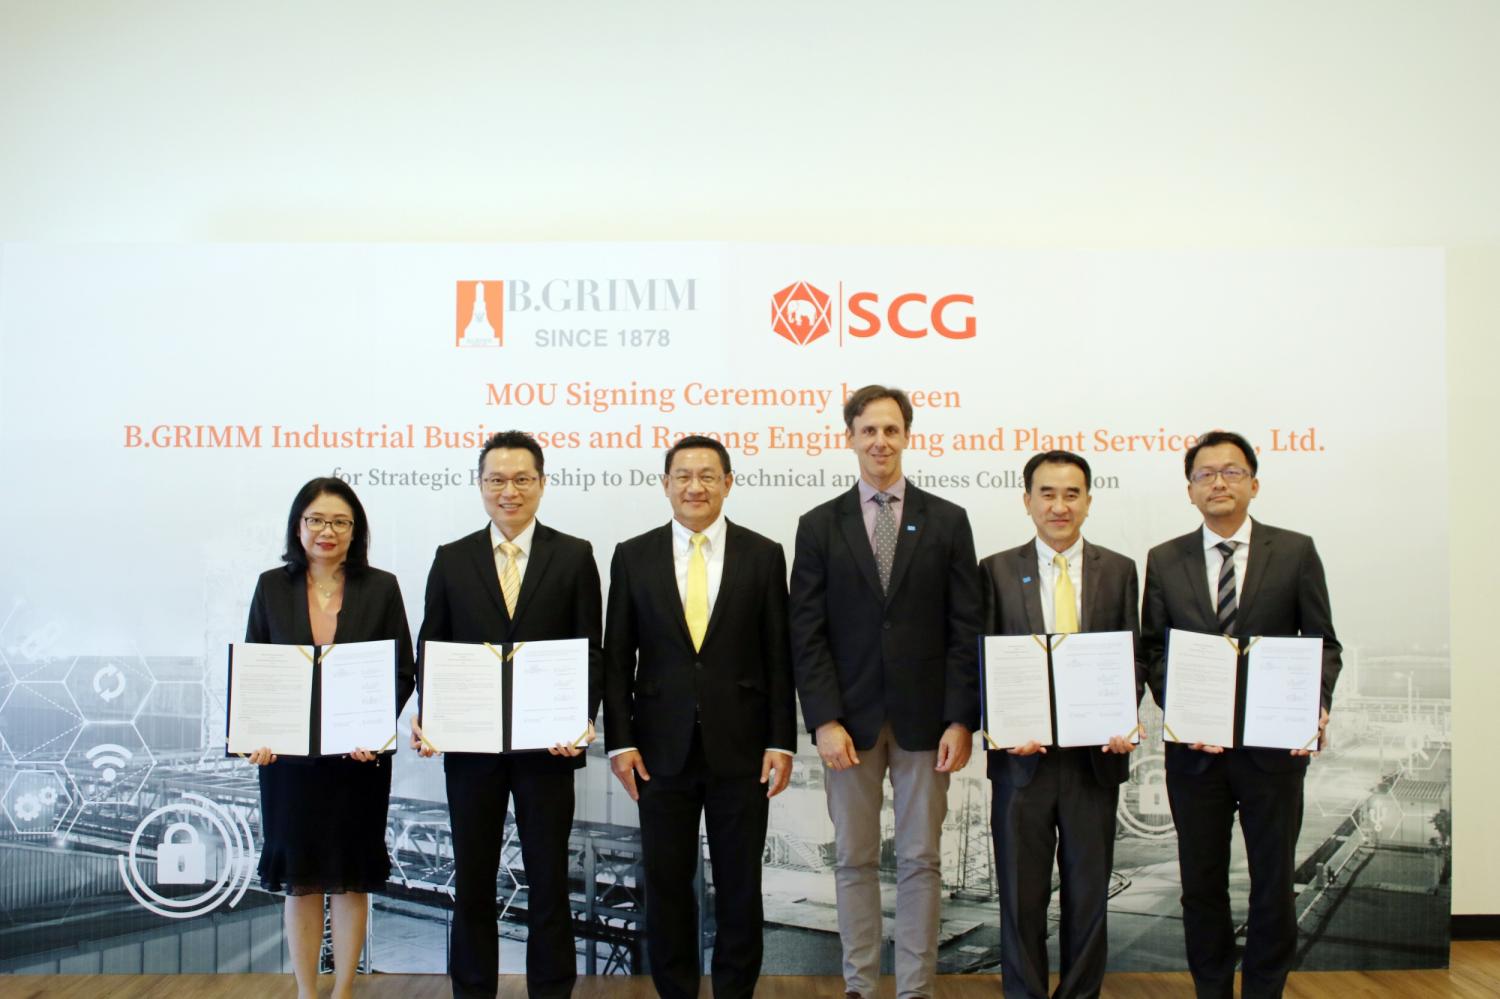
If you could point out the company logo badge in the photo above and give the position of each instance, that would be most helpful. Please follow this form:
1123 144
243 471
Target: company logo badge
803 313
800 312
480 314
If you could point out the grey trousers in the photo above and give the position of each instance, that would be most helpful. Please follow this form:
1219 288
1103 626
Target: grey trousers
855 797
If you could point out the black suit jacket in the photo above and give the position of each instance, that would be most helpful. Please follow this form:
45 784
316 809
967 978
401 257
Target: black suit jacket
1013 606
910 656
559 598
372 611
1284 594
739 683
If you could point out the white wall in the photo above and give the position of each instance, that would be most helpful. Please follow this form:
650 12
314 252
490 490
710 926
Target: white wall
1353 123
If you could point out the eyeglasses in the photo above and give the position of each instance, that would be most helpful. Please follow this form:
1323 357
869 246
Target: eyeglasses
706 478
339 525
497 483
1231 474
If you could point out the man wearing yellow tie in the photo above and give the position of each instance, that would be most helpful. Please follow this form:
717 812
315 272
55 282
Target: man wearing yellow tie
699 715
514 580
1047 800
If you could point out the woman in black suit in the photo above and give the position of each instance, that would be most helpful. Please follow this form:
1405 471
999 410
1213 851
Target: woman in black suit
323 819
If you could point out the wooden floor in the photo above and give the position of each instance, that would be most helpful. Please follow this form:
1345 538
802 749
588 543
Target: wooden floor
1475 974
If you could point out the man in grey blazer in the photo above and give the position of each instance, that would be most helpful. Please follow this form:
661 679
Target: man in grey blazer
1057 583
1238 577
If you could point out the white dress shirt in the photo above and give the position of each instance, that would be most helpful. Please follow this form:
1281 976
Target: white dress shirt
1213 561
521 541
713 558
1047 579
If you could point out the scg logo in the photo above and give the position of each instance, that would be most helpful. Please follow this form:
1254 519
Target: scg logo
937 316
801 313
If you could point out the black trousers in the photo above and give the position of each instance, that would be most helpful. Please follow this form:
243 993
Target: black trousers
1270 810
477 802
1064 811
735 810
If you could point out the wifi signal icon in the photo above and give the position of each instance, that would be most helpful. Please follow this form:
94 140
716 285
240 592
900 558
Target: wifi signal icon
109 759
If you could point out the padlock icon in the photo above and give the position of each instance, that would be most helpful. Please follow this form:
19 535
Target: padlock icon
1152 796
180 862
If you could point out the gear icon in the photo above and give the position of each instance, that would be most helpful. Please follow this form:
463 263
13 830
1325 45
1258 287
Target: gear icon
47 796
27 808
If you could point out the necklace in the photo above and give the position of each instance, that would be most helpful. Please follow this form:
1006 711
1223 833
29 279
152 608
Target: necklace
325 592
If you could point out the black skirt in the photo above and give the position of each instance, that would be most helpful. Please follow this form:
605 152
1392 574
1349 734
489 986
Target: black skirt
323 824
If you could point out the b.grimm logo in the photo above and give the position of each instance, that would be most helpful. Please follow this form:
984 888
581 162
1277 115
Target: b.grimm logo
481 314
802 313
799 312
481 306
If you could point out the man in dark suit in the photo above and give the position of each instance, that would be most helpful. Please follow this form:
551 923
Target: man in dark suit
699 715
1242 578
885 622
1057 583
515 580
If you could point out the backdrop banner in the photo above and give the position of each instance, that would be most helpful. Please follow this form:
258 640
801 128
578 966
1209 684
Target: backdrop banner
161 405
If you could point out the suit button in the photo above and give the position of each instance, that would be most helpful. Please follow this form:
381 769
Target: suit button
887 626
697 665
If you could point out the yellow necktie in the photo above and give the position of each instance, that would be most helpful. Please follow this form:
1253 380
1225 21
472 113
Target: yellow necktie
1064 607
510 577
695 603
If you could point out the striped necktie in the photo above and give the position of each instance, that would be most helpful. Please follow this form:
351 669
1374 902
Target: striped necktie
1227 602
510 577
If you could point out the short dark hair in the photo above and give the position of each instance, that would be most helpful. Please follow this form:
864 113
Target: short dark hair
512 440
697 441
1056 458
873 393
358 557
1213 439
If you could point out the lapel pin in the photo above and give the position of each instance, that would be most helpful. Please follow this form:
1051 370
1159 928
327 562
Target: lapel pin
1025 579
911 528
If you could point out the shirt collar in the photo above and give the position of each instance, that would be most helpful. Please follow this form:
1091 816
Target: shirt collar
1210 539
682 537
1045 552
521 541
896 489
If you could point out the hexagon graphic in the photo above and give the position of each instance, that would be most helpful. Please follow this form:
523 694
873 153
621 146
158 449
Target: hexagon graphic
171 719
109 688
40 722
109 762
800 313
36 802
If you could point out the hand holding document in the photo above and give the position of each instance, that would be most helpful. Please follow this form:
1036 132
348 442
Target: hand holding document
496 699
270 698
1283 693
1093 674
1201 683
463 709
1017 698
549 693
359 697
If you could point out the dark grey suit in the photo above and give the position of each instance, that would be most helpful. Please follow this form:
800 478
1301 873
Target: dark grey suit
1285 594
702 720
1071 793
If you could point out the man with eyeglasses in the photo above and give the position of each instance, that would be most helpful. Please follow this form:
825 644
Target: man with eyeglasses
514 580
699 715
1242 578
